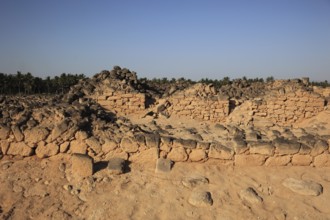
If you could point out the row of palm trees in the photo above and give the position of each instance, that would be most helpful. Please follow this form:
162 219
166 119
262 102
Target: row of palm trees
21 83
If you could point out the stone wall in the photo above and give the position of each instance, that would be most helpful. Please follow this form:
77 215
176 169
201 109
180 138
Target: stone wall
279 108
122 103
199 102
247 150
289 108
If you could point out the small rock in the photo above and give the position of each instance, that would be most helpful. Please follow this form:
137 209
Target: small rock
200 198
303 187
62 167
193 181
116 165
67 187
163 165
82 165
250 195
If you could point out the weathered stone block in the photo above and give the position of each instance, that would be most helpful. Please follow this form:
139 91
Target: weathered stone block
152 140
319 147
116 166
301 160
219 151
197 155
108 145
35 135
163 165
178 154
82 165
128 145
17 133
94 144
262 147
79 147
322 160
278 161
47 150
20 148
4 132
286 147
249 160
189 144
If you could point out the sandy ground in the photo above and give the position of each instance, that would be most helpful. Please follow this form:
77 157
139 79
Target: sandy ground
41 189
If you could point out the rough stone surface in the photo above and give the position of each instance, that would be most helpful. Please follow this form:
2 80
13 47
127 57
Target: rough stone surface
35 135
4 146
128 145
58 130
116 166
148 155
109 145
264 148
322 160
250 195
178 154
200 198
94 144
17 133
278 161
286 147
82 165
249 160
163 165
4 132
219 151
152 140
319 147
20 148
47 150
78 147
301 160
194 181
197 155
303 187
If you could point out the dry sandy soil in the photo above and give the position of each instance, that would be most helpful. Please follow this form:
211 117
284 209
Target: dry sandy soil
42 189
33 188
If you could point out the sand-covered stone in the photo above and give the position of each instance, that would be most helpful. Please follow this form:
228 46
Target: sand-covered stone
303 187
200 198
163 165
194 181
278 161
250 195
82 165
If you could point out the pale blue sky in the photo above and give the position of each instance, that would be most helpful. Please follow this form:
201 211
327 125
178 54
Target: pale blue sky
169 38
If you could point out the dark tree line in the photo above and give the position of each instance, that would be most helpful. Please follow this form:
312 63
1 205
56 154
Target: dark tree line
20 83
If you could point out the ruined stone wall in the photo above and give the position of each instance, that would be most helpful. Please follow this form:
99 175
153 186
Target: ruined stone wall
289 108
200 108
122 103
279 108
199 102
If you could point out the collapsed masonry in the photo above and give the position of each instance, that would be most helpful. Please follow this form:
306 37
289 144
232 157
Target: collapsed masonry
78 123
